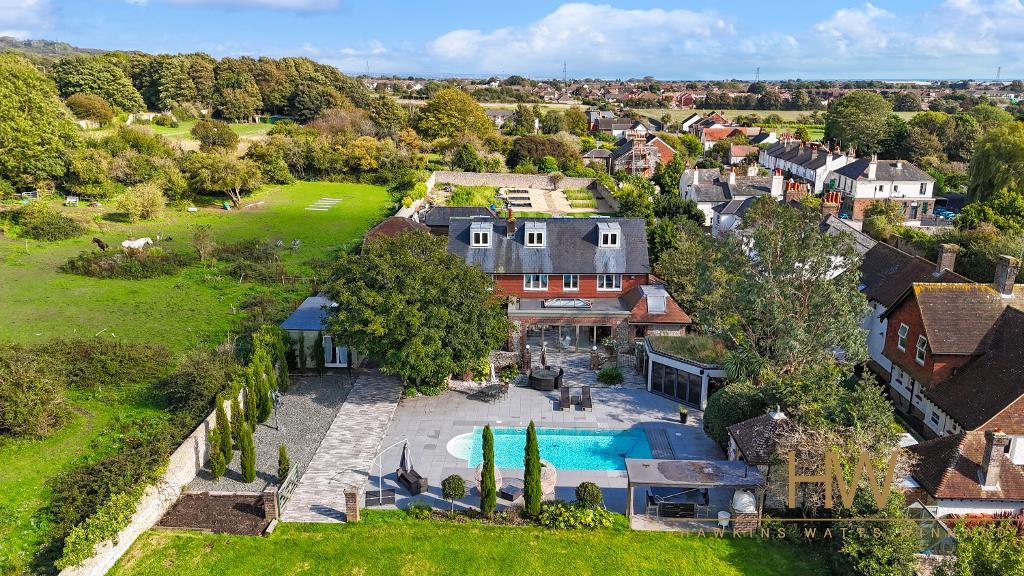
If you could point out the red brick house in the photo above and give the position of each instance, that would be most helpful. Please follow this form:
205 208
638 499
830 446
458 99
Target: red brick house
572 283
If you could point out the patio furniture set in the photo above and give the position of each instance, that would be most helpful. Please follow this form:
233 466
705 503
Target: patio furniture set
567 399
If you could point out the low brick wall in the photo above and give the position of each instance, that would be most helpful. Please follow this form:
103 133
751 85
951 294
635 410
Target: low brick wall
156 500
504 180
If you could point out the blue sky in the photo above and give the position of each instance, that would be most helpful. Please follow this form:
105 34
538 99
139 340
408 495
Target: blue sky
619 39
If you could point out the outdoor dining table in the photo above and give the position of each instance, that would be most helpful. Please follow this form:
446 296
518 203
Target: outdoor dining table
543 378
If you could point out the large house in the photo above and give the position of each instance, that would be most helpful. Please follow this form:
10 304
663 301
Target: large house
710 190
639 153
811 162
867 180
574 283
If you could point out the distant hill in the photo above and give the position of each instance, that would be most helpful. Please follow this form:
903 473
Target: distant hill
46 48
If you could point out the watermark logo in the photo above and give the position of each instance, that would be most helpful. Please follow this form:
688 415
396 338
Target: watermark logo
832 475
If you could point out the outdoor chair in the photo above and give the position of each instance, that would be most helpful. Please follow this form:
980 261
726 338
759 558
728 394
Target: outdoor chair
558 379
412 481
586 402
564 403
296 243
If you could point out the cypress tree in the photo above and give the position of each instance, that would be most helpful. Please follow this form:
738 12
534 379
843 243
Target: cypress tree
264 403
531 475
217 463
223 437
251 402
237 419
488 491
284 465
282 377
318 353
300 356
248 456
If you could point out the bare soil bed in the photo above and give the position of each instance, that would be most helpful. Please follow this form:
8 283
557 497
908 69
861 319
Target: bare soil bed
227 514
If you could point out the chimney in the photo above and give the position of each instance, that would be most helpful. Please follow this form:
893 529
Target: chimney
510 224
947 258
899 164
752 170
992 461
794 192
1006 274
830 204
873 167
777 182
732 175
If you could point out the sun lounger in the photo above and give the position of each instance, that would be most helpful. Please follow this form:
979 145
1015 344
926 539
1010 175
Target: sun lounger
564 403
585 400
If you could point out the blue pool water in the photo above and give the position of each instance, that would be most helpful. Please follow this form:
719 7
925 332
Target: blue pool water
565 448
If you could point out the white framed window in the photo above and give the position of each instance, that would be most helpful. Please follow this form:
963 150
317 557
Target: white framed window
610 239
570 282
935 418
924 188
535 239
895 188
901 341
609 282
535 281
922 344
481 239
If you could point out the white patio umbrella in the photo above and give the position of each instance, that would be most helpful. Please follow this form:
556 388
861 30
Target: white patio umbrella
405 464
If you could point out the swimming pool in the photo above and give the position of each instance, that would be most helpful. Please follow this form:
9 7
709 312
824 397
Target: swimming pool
565 448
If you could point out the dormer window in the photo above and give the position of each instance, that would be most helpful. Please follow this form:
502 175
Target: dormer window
535 234
609 235
480 235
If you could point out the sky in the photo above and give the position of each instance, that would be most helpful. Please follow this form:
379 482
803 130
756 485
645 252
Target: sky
666 39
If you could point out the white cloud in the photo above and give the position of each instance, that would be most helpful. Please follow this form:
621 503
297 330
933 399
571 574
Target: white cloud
17 34
24 16
861 30
292 5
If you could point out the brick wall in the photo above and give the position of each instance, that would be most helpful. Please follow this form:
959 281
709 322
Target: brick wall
512 284
936 368
502 180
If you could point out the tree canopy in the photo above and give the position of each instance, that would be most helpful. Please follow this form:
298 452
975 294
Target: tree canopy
451 113
100 76
998 162
858 119
423 313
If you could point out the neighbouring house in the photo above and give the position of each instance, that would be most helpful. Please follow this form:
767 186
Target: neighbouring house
307 324
764 138
754 441
499 117
686 368
741 153
392 226
597 156
619 127
811 162
957 362
593 116
710 136
710 190
438 218
572 283
713 120
639 152
886 274
975 472
867 180
689 121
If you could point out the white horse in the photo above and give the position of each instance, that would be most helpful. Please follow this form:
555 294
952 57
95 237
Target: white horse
137 244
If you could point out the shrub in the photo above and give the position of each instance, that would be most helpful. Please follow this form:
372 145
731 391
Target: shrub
40 221
128 264
610 376
420 510
104 365
165 120
184 112
248 457
31 399
509 373
143 202
6 190
214 134
283 378
199 378
284 465
90 107
453 488
588 495
237 419
565 515
732 404
109 519
264 403
217 463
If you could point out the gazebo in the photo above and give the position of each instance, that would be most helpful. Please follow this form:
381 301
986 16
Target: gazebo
695 474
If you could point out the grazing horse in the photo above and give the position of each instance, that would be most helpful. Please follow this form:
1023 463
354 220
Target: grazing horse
137 244
102 245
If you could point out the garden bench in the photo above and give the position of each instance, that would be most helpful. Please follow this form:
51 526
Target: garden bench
412 481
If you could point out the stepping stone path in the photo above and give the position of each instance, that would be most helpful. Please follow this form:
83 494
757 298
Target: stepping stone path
323 204
343 460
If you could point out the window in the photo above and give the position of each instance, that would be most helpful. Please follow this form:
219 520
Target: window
901 342
609 234
609 239
535 281
534 238
895 188
570 282
922 343
935 418
481 238
924 188
609 282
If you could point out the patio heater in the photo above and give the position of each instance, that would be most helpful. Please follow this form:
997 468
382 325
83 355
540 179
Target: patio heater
381 497
278 399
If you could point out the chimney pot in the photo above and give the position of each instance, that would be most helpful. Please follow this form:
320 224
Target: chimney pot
510 224
992 461
1006 275
732 175
947 258
777 183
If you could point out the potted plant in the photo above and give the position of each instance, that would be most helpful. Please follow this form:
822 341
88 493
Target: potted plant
682 414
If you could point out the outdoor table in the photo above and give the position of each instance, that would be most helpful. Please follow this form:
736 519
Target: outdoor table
543 378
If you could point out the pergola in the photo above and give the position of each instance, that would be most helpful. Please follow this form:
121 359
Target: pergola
689 474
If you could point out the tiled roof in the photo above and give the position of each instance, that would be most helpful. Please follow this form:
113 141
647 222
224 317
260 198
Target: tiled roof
636 303
884 170
832 226
711 187
958 317
598 153
949 467
571 246
442 215
799 153
887 273
309 315
393 226
755 437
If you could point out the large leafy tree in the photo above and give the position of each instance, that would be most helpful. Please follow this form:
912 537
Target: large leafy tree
311 98
576 121
222 174
236 96
998 162
423 313
858 119
174 85
100 76
388 117
451 113
36 130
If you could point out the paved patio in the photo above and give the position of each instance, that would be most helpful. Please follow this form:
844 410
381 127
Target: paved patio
429 423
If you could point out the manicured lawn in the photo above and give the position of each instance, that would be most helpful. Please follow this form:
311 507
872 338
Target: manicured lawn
193 307
705 349
388 543
182 131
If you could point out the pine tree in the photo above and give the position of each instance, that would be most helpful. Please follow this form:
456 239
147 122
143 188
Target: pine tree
488 490
282 377
223 437
284 465
264 403
237 419
318 353
531 475
217 462
248 457
251 403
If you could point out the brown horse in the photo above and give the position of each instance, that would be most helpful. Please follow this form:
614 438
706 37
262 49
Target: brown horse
103 245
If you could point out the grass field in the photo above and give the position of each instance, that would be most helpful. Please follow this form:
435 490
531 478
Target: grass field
789 115
196 307
182 131
389 543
